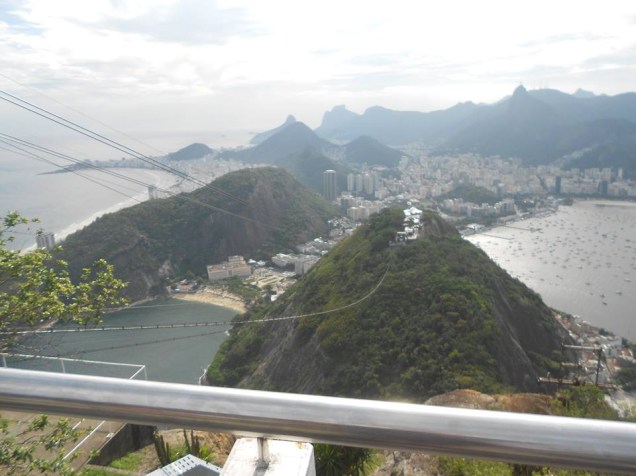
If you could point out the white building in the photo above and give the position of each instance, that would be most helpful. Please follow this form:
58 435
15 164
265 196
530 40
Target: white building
234 266
45 240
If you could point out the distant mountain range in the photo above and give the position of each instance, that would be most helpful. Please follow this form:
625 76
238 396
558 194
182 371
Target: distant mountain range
542 126
539 126
299 150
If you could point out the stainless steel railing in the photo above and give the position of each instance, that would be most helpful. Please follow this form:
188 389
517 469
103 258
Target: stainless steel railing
513 437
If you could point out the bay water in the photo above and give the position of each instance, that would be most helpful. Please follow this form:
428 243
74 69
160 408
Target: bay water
178 355
581 260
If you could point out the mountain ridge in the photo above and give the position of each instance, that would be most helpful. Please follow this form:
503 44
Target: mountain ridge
299 150
529 124
157 239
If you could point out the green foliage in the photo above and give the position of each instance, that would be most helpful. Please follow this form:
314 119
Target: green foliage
584 401
471 193
18 451
104 472
471 467
448 466
334 460
163 449
34 289
236 286
445 317
191 445
627 377
176 235
129 462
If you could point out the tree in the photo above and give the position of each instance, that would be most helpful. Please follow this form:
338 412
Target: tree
36 289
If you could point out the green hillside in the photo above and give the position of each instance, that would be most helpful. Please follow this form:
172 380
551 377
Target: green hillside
444 317
157 239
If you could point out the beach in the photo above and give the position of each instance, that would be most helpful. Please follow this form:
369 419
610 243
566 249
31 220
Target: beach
209 296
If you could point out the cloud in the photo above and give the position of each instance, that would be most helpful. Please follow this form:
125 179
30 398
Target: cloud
562 38
187 21
10 16
258 58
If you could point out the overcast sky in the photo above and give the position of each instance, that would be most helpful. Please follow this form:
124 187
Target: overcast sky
175 69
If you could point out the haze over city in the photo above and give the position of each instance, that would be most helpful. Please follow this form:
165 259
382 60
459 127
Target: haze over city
181 69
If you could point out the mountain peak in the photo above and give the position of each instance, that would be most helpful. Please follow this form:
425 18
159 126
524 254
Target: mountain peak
366 149
582 93
193 151
336 119
263 136
519 91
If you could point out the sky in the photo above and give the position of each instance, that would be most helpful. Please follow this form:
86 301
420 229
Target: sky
170 72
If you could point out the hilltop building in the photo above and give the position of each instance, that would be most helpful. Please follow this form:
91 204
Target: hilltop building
329 191
412 225
234 266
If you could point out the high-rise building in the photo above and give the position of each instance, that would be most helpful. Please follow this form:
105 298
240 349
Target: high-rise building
359 183
368 184
351 182
329 185
45 240
557 184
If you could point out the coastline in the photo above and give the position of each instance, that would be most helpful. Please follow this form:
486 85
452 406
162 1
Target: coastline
207 296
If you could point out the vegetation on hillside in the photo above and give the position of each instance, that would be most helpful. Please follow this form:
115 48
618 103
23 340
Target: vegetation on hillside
472 193
36 289
157 239
444 317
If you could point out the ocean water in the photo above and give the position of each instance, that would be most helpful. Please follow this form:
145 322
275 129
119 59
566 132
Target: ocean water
581 260
171 355
66 202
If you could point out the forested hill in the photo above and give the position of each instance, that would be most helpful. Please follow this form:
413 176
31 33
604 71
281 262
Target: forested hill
444 317
160 238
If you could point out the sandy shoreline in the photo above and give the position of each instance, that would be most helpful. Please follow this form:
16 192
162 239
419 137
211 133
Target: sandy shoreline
208 296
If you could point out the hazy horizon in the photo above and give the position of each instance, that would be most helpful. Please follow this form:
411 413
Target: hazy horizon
178 66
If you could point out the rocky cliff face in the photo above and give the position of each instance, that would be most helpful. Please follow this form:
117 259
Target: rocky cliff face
268 212
429 316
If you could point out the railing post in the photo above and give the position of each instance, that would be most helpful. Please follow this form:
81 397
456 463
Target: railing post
263 453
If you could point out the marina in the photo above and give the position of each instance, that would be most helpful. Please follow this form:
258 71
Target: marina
581 260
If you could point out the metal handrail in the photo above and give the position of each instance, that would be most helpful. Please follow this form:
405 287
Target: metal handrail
513 437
